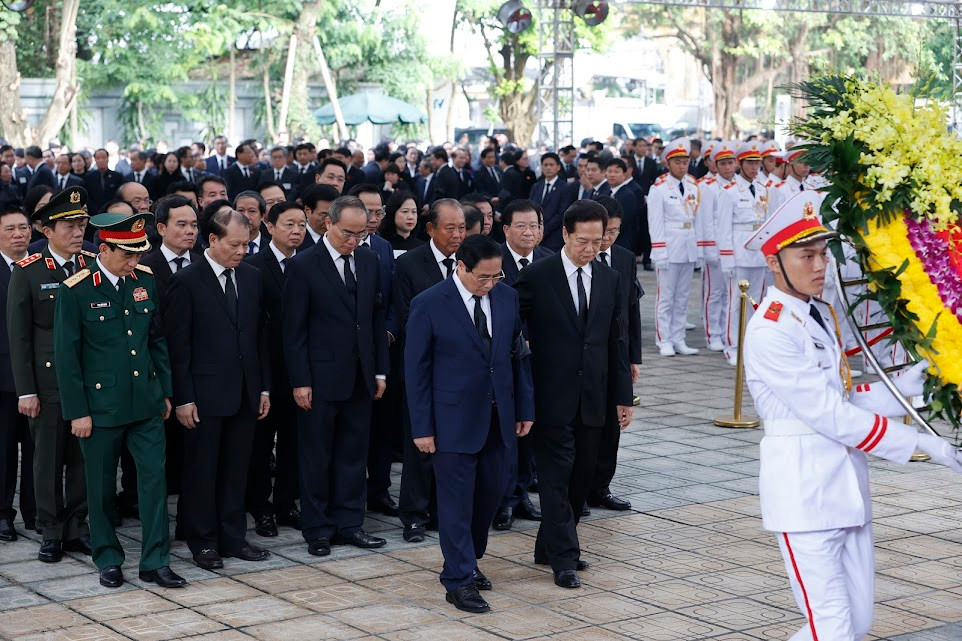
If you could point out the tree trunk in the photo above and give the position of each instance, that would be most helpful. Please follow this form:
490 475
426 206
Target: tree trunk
518 112
13 119
231 92
300 120
65 88
283 134
331 89
268 104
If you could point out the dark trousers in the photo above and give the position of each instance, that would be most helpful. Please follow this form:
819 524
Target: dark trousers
58 476
281 422
332 442
607 455
216 457
128 480
469 487
520 472
15 439
566 456
174 444
145 442
385 427
417 500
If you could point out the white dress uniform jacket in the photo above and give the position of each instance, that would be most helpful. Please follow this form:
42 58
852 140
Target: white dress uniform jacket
785 189
671 219
739 216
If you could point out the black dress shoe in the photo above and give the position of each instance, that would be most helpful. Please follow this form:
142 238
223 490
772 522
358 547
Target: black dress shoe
466 598
50 551
481 582
265 526
164 577
527 511
414 533
290 518
611 502
250 553
581 566
179 534
648 268
504 519
319 547
567 579
7 533
111 577
384 505
115 520
432 524
129 510
208 559
584 510
81 545
359 539
534 485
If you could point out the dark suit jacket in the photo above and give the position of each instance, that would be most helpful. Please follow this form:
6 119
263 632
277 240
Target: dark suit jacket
554 209
21 178
572 366
373 173
510 268
419 193
631 210
6 371
101 188
216 359
290 181
354 177
162 273
414 272
484 183
326 332
272 279
41 176
149 181
451 377
445 184
385 269
73 180
214 168
623 262
465 182
512 186
236 182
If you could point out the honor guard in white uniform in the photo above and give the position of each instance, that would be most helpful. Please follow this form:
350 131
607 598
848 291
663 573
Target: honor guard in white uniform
673 203
796 179
770 156
742 208
714 290
813 481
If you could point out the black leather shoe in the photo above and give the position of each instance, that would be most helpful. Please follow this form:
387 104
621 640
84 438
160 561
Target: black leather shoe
164 577
466 598
115 520
585 511
319 547
359 539
265 526
612 502
384 505
111 577
504 519
432 523
290 518
481 582
527 511
414 533
50 551
534 485
179 534
129 510
581 565
250 553
567 579
81 545
208 559
648 268
7 533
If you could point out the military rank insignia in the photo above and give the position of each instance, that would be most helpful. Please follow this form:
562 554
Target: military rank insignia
140 294
774 311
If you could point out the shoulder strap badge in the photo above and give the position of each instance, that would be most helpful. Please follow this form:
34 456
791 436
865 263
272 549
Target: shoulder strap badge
76 278
32 258
774 311
145 268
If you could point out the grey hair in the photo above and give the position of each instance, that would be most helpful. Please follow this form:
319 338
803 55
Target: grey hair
343 203
261 203
218 221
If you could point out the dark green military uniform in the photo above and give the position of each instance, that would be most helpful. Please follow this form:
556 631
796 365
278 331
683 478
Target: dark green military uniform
35 285
112 366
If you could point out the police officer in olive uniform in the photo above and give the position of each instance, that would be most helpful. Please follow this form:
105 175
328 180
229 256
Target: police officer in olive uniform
34 287
115 384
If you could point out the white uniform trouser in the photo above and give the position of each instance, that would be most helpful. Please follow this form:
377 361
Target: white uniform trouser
756 277
714 303
671 302
833 579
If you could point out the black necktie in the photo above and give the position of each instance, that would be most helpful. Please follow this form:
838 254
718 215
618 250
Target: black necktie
304 170
448 265
283 264
588 194
231 292
751 188
481 323
190 175
244 171
524 262
582 299
277 175
603 256
801 187
68 267
120 284
813 312
223 164
179 262
137 177
349 281
681 188
63 182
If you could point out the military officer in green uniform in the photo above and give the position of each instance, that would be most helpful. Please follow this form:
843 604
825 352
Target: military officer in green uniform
35 285
115 384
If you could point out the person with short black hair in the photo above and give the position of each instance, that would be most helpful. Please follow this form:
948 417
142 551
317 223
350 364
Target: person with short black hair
553 195
280 174
243 175
473 220
219 161
332 172
400 220
316 200
252 205
211 188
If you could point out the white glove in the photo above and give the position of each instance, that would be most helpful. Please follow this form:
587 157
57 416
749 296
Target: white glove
941 451
661 264
911 382
728 273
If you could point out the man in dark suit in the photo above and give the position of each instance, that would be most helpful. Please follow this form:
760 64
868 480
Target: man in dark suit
470 398
176 220
63 177
617 178
352 175
243 174
574 318
287 226
280 173
333 172
221 378
522 220
629 289
335 345
444 182
253 206
39 171
373 171
219 161
488 176
459 162
140 174
553 195
416 271
569 163
101 183
316 200
14 433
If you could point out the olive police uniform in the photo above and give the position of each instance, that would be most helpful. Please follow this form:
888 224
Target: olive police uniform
112 366
58 468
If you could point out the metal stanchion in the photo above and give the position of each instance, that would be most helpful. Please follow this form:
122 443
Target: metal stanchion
737 420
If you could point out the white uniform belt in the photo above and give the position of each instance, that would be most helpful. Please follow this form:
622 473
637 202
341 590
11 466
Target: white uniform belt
786 427
747 226
686 225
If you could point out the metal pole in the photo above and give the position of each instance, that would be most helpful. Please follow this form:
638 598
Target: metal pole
737 420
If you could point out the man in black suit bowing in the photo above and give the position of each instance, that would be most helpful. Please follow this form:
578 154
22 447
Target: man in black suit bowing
335 345
287 225
243 175
215 325
554 195
574 317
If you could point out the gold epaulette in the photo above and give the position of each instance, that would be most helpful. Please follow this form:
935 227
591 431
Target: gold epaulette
87 253
76 278
144 268
32 258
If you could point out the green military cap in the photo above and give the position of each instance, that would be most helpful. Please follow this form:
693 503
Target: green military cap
127 231
66 204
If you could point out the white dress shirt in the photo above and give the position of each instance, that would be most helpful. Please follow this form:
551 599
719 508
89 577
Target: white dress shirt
469 303
517 257
257 243
549 185
279 256
316 236
10 261
338 262
219 272
169 256
60 260
438 256
571 273
111 278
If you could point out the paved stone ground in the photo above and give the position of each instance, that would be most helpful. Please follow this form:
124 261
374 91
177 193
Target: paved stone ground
689 562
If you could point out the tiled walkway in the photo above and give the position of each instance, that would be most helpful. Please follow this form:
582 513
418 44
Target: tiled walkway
690 562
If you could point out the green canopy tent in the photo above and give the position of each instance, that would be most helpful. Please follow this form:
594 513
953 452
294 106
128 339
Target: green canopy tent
375 108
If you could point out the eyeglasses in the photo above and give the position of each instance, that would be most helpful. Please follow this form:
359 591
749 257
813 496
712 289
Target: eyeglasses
521 227
490 279
356 235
